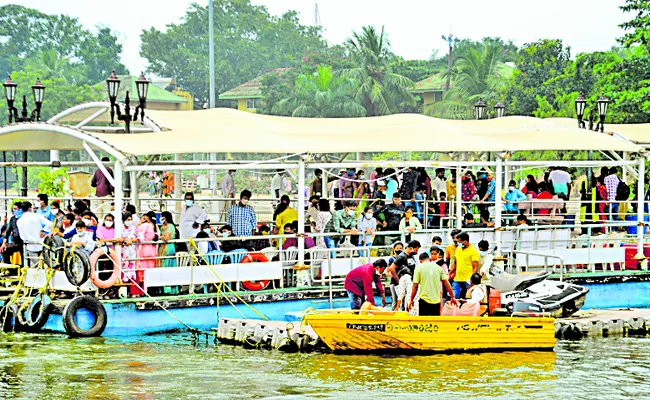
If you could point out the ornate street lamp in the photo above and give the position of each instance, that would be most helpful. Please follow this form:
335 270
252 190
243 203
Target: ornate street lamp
479 109
499 109
142 86
10 94
601 104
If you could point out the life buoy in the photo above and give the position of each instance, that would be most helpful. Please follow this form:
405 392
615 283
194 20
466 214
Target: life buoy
94 307
38 312
255 285
77 267
95 257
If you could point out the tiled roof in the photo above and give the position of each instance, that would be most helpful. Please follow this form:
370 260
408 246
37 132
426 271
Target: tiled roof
154 94
434 83
251 89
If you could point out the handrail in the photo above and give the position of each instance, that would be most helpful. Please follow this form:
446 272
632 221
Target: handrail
546 257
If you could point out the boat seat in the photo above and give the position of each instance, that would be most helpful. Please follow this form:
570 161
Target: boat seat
505 282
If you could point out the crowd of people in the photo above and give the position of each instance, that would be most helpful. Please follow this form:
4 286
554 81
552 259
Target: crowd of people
422 281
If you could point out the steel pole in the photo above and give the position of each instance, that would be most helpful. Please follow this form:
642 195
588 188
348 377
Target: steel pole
211 44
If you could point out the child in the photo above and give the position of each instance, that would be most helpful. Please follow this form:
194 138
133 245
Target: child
405 289
477 293
83 238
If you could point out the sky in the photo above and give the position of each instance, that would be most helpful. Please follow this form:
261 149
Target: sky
414 26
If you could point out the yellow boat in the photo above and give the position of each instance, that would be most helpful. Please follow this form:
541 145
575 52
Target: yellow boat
347 331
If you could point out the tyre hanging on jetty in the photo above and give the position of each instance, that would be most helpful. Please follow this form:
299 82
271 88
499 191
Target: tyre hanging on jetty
77 267
53 256
103 255
38 312
92 305
255 285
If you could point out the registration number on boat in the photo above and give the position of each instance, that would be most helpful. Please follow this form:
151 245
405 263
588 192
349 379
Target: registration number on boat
367 327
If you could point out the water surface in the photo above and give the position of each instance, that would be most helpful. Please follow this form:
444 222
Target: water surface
173 367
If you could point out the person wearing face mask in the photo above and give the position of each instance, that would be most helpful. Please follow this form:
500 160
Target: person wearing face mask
191 216
450 251
367 225
42 206
343 221
409 224
292 229
228 191
12 243
391 184
277 185
167 232
58 215
83 238
129 239
398 248
229 245
147 232
106 231
485 261
33 229
347 186
466 264
512 198
242 218
312 212
404 263
88 218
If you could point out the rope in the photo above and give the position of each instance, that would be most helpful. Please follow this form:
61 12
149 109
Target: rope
156 302
193 244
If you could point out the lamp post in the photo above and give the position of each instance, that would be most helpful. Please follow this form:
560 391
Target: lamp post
479 109
499 109
601 104
38 90
142 86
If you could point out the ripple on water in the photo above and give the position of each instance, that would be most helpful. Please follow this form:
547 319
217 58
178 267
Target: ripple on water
170 366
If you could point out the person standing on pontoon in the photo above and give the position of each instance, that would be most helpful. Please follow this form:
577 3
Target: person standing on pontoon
191 218
228 190
103 187
242 218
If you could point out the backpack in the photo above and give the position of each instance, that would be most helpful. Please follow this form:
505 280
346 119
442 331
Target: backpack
622 191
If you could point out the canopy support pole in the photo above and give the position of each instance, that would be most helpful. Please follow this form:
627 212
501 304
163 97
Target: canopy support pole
119 198
459 194
498 203
178 184
133 176
640 212
301 213
100 165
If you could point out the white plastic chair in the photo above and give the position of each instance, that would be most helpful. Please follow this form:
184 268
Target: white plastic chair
545 239
183 259
319 256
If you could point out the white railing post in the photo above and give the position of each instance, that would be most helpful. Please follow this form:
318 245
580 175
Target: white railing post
640 212
301 213
459 193
119 197
498 204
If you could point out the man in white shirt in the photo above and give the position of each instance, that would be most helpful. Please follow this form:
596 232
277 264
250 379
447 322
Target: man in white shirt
277 185
561 181
439 183
33 228
191 217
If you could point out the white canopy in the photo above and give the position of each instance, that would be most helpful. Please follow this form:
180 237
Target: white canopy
228 130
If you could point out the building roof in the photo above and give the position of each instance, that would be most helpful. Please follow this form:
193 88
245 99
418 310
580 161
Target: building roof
154 95
434 83
251 89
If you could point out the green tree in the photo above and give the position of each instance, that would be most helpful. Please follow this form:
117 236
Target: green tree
31 38
538 63
248 43
321 95
379 90
476 74
637 30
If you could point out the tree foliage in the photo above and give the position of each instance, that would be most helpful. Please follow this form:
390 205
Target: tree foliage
248 42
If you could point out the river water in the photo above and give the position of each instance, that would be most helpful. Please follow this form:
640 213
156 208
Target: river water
172 367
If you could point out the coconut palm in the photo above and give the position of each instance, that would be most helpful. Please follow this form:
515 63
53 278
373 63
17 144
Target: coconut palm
477 74
378 89
322 95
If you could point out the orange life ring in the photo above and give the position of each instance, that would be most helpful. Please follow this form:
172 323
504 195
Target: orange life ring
94 275
250 285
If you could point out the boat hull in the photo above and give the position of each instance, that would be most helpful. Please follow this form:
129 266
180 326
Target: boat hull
347 332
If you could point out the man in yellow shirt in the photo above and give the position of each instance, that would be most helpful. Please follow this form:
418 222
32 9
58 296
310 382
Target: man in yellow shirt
466 263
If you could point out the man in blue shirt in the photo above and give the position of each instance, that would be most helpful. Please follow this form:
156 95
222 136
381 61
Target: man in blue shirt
242 218
43 207
512 197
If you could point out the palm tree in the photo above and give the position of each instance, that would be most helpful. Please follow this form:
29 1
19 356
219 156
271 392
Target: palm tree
378 89
322 95
477 74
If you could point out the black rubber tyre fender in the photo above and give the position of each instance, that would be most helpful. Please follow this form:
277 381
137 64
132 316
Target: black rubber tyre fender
77 267
91 304
38 312
53 256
